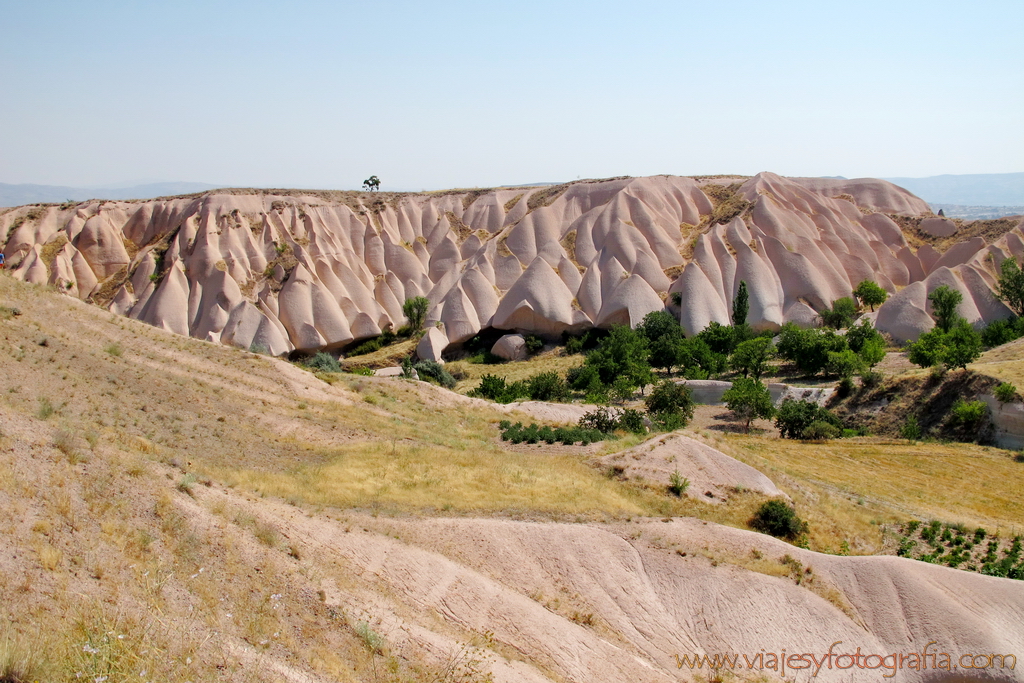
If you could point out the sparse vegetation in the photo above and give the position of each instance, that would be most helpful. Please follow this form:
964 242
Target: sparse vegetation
777 518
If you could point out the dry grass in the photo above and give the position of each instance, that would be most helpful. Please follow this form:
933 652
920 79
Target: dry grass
548 361
895 479
1005 363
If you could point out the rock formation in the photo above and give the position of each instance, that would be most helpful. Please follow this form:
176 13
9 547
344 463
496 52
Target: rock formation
304 271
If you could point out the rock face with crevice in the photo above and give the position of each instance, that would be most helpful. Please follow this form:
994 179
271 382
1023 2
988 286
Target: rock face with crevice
287 271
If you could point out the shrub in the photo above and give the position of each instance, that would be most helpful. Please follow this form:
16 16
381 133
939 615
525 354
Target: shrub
601 420
677 484
547 386
967 415
533 344
777 518
820 431
323 362
841 314
623 353
432 370
910 430
845 387
809 349
366 347
1006 393
793 417
415 309
1002 331
632 421
363 371
844 363
583 378
670 404
871 379
496 389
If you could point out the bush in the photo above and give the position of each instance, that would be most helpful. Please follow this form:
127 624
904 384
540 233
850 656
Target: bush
415 309
547 386
845 387
841 314
632 421
871 379
601 420
820 431
432 370
670 404
911 430
622 354
793 417
809 349
583 378
778 519
843 363
533 344
1006 393
323 362
1002 332
496 389
677 484
967 415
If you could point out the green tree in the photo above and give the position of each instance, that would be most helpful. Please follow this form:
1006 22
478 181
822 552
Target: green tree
623 353
1010 286
657 324
752 356
841 314
870 294
372 183
741 305
667 350
944 304
794 417
664 336
929 349
866 342
872 351
415 309
697 360
749 399
719 338
844 363
809 349
963 346
670 404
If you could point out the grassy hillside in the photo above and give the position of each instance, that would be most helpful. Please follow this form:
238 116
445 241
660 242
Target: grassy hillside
151 486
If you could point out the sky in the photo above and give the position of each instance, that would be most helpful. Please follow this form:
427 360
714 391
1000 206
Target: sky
430 95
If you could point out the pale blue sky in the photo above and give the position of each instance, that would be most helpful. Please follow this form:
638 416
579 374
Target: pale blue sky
455 94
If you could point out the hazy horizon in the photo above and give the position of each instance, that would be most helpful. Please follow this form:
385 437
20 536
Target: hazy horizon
452 94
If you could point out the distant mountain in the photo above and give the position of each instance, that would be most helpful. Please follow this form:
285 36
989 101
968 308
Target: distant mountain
16 195
979 190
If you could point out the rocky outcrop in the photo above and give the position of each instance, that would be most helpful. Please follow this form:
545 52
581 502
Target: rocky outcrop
307 271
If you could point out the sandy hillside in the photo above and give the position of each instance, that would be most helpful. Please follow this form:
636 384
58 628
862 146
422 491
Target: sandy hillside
178 510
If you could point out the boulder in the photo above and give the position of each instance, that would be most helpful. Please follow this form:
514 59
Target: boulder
433 343
510 347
